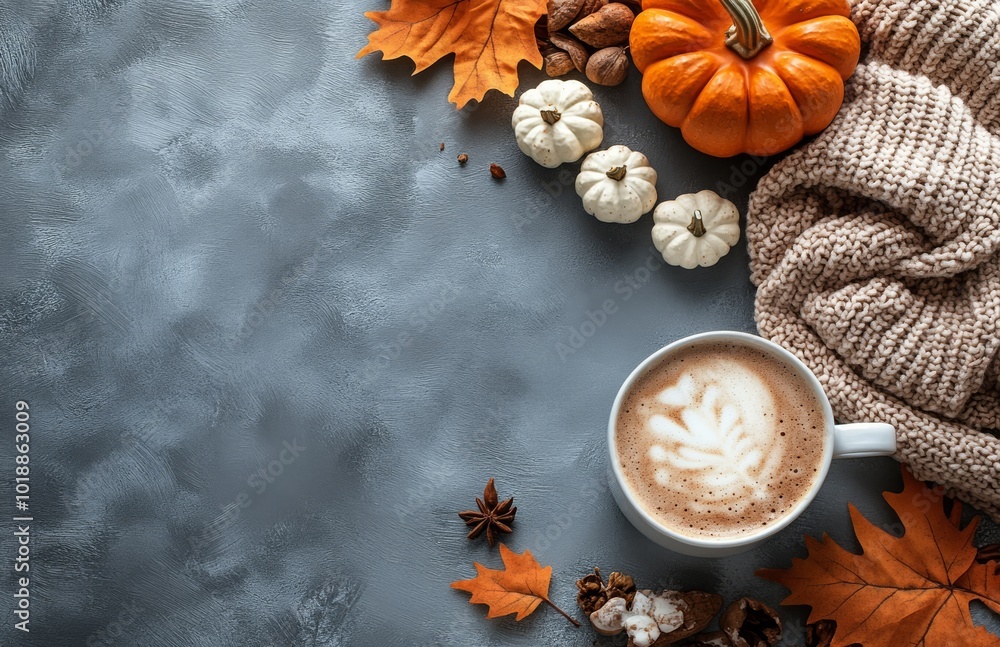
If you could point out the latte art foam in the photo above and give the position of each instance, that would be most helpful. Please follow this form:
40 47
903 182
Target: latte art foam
720 440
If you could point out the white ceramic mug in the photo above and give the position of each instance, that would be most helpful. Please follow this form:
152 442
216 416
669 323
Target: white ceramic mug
841 441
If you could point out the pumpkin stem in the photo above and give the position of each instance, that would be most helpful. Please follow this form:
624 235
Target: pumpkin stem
617 172
697 226
748 35
550 116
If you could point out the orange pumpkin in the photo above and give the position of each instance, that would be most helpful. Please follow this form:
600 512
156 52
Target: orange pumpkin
738 78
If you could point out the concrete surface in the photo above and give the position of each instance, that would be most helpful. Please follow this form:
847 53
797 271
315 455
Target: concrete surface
273 339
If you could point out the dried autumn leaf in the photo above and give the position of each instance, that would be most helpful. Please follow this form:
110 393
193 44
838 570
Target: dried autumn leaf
518 589
488 38
910 590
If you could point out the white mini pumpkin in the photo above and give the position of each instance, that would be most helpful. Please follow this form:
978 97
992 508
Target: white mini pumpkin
617 185
557 122
695 229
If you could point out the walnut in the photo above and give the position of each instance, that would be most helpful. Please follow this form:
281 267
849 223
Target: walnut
558 63
608 66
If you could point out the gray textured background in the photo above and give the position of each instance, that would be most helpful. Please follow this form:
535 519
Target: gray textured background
221 233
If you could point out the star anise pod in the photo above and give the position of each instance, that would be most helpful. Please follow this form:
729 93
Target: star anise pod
593 591
492 516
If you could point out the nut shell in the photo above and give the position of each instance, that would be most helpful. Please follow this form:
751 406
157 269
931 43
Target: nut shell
751 623
608 26
545 47
558 64
591 6
608 66
699 607
577 52
561 13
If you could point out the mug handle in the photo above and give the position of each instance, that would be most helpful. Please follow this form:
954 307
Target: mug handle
864 439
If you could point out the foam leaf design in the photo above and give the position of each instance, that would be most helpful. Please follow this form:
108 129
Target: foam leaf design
716 442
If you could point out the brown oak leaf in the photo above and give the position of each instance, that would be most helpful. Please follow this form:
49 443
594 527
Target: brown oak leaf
910 590
520 588
488 38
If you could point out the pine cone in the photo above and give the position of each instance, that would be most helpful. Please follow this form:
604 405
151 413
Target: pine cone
620 586
590 592
593 592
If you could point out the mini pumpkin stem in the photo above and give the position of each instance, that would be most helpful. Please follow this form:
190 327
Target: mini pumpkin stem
748 35
697 226
617 172
550 116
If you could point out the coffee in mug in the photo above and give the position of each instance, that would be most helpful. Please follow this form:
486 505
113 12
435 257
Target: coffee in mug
734 430
721 440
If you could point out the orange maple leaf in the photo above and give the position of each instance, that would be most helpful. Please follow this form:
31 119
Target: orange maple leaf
488 38
518 589
911 591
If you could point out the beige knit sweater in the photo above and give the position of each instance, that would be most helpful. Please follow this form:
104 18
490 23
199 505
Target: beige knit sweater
876 246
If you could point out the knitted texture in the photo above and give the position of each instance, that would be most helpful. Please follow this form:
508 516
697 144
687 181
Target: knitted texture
876 246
